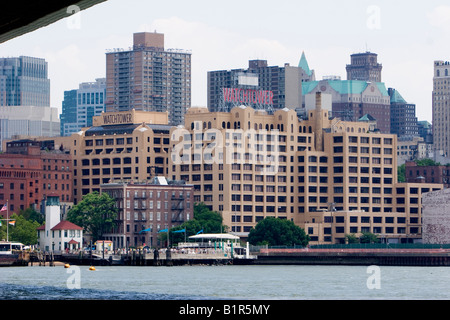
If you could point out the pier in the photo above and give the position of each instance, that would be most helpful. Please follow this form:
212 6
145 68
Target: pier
131 258
380 257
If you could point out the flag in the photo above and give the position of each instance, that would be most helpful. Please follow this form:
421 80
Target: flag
201 231
163 230
4 208
12 222
180 231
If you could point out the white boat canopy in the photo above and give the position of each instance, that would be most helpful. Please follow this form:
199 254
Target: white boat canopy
215 236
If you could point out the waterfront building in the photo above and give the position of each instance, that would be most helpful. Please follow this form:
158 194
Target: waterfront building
127 146
260 86
80 105
436 220
58 234
30 171
24 82
248 165
147 209
147 77
441 115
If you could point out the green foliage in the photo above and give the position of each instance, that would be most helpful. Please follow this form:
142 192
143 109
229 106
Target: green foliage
32 215
23 230
277 232
204 219
368 237
95 214
351 238
401 173
427 162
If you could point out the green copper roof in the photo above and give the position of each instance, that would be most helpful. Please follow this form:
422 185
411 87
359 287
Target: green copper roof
304 64
308 86
348 86
396 97
345 86
366 117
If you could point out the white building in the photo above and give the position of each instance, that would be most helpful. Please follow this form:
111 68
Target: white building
28 121
57 235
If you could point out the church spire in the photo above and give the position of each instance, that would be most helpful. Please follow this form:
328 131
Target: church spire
304 64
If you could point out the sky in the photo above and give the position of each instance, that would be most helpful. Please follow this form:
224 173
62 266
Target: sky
408 37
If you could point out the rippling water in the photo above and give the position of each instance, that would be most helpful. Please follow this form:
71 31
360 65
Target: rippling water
222 282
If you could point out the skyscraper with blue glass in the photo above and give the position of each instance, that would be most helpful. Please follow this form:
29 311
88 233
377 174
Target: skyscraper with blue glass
80 105
24 82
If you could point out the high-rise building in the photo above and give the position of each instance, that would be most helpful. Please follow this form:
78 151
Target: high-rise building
329 176
403 116
24 82
147 77
25 99
261 87
354 99
364 67
80 105
441 107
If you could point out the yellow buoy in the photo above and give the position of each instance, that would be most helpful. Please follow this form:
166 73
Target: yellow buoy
67 265
92 268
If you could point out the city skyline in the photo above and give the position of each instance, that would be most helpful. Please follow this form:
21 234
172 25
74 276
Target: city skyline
408 38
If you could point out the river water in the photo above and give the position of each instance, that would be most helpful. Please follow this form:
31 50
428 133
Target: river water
225 282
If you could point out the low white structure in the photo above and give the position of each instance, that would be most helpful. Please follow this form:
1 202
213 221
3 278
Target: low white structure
57 235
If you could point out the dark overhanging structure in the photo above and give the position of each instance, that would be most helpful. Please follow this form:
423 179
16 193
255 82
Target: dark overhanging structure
23 16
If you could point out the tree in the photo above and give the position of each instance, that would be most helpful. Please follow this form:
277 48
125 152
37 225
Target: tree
23 230
351 238
277 232
32 215
95 214
368 237
401 176
204 219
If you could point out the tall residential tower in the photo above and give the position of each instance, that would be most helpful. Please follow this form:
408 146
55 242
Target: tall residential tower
149 78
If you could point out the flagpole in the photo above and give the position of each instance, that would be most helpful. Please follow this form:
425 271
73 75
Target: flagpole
7 222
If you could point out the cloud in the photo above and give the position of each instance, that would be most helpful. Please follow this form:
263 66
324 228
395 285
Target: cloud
440 17
66 67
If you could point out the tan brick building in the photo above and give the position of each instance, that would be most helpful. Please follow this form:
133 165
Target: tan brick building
250 165
120 146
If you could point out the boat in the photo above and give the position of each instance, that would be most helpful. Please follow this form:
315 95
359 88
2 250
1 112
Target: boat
13 254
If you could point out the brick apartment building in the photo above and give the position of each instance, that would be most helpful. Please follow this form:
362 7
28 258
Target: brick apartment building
147 208
29 171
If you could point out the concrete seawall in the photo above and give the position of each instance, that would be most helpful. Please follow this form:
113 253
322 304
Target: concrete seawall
381 257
